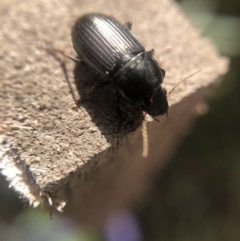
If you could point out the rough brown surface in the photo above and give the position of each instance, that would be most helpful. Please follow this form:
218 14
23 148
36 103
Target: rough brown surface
44 139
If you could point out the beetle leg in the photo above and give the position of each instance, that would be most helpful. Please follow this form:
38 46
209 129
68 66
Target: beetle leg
151 52
74 59
128 25
60 51
119 112
163 72
100 84
117 105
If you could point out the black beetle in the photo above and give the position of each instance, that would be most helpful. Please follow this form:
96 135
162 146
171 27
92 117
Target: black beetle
112 51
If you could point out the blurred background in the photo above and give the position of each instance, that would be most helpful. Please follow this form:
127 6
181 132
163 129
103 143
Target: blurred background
197 196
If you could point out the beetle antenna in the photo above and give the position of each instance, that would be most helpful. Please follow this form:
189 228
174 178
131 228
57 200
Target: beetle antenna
169 93
53 52
155 119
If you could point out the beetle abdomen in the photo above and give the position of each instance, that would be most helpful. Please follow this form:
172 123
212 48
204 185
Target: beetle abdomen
104 44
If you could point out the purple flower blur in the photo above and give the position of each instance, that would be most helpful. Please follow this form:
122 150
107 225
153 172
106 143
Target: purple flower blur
122 226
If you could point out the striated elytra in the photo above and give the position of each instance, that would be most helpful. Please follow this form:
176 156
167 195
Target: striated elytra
112 51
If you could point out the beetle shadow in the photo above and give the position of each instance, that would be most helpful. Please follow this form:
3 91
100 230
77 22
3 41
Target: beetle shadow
101 105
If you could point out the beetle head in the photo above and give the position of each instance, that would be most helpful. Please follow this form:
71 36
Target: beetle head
157 103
